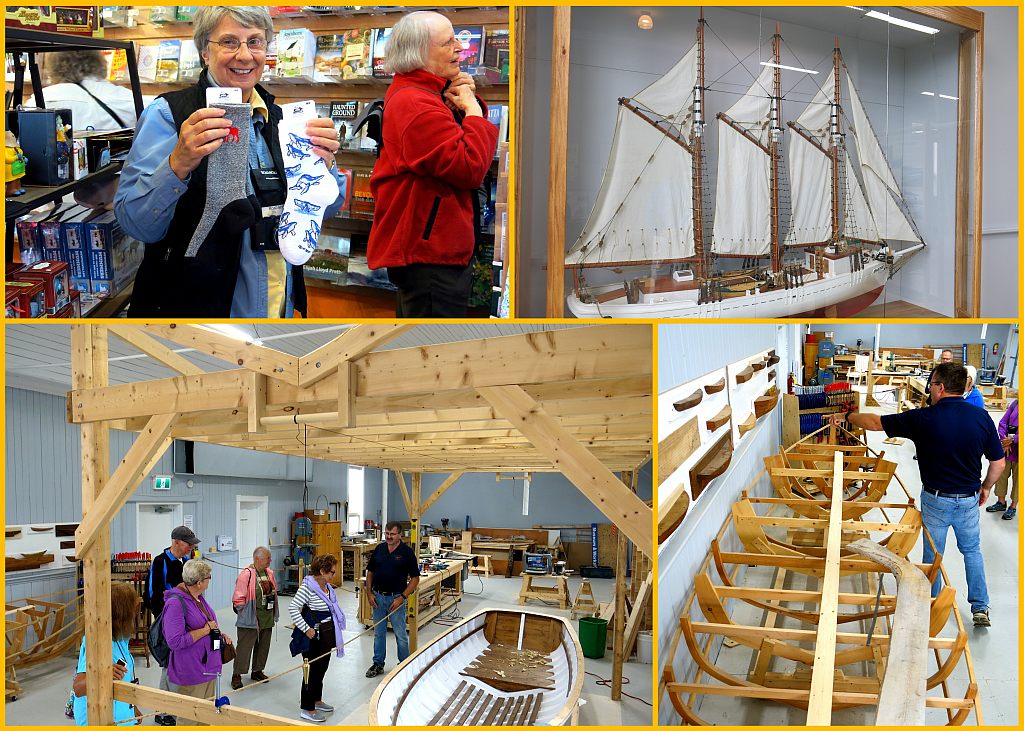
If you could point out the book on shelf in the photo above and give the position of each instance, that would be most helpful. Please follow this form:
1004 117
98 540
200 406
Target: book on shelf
380 42
296 54
189 63
168 53
330 58
471 37
495 62
358 54
147 62
160 14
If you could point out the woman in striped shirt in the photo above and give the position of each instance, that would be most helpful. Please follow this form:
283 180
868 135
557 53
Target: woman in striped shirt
315 611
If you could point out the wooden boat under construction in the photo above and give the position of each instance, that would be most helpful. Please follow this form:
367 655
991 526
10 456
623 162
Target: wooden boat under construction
818 608
499 667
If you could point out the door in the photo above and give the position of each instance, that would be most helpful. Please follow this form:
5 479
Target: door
154 523
251 529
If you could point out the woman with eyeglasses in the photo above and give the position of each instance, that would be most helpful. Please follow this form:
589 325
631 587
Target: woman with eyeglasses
238 270
437 149
316 612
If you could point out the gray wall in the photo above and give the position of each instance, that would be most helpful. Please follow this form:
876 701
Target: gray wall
686 352
1000 231
553 501
897 335
43 478
919 126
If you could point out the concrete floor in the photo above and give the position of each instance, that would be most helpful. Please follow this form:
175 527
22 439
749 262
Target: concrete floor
993 650
47 686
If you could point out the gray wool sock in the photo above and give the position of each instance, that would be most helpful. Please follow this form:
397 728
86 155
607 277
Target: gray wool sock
226 171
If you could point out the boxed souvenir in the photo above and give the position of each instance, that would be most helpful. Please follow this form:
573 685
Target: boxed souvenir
189 63
73 234
80 21
114 257
12 303
30 246
56 281
163 14
147 60
46 137
167 55
30 298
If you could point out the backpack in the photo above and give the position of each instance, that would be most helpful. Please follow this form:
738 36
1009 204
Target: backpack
158 646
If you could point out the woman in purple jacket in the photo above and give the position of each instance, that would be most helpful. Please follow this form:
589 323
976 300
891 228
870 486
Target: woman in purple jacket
1008 437
190 628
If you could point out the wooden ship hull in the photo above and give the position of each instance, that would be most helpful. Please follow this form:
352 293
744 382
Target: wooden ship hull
498 667
808 595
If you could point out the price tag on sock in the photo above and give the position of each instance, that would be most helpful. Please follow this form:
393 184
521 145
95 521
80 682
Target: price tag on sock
298 111
223 95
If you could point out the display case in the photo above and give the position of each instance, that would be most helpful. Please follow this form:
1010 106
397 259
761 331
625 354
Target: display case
753 161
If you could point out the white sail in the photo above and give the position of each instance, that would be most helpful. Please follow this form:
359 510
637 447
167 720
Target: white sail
644 210
742 196
879 184
810 173
858 223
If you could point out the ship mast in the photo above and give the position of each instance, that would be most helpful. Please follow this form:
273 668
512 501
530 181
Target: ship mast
775 137
698 171
836 138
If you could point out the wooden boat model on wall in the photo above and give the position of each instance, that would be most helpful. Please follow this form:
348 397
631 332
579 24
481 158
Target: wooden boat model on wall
27 561
813 607
499 667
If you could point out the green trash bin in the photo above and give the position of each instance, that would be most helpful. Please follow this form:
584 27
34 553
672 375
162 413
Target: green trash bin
593 636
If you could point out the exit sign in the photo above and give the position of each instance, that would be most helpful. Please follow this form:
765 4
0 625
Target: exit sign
162 482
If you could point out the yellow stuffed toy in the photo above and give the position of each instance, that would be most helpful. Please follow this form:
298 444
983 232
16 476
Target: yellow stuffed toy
14 165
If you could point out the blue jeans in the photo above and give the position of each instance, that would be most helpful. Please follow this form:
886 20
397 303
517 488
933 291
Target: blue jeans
941 513
380 632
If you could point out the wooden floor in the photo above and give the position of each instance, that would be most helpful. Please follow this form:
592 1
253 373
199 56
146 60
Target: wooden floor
898 308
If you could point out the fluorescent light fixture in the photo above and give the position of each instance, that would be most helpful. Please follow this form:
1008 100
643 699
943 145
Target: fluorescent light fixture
947 96
984 330
927 93
900 22
854 7
788 68
236 333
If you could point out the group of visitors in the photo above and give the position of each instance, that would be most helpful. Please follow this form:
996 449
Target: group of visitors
198 648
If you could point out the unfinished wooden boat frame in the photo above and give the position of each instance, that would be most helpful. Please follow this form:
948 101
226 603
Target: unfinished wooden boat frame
575 401
55 628
819 683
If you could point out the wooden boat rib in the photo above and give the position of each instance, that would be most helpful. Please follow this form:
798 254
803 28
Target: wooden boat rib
758 365
745 375
747 424
716 421
689 402
860 662
771 375
714 463
670 519
499 667
715 387
772 358
764 404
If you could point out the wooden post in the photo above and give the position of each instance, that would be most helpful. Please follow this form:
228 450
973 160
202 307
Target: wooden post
619 631
557 160
90 370
518 84
412 617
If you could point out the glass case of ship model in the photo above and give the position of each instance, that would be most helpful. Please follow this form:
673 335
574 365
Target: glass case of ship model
756 162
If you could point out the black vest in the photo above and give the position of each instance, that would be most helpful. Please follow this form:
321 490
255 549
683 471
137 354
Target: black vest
170 285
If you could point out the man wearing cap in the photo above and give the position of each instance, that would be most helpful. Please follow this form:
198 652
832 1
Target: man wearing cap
164 574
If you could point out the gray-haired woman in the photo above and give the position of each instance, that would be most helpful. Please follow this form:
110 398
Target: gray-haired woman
191 631
238 269
438 146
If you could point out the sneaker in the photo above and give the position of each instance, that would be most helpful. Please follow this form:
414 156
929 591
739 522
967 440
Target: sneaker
259 676
981 618
324 707
1010 512
374 670
236 681
312 716
163 719
997 508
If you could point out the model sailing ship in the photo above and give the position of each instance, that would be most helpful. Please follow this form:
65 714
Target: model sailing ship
849 229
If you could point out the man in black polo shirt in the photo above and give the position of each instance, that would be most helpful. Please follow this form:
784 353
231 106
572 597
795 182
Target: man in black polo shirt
951 437
392 575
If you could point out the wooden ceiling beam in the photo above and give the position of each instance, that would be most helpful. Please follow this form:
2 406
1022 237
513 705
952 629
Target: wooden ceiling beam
268 361
627 511
351 345
144 343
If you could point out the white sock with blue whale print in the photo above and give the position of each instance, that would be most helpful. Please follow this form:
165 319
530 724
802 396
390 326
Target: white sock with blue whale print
311 188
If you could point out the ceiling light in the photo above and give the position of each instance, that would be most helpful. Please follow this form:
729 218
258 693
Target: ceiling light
645 22
788 68
951 98
236 333
854 7
927 93
900 22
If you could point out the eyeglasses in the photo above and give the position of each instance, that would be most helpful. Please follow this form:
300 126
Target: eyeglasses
256 45
452 43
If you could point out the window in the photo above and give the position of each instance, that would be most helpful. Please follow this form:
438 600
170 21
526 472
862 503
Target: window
355 500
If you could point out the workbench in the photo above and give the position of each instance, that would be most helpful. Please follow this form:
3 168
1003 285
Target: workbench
433 598
360 556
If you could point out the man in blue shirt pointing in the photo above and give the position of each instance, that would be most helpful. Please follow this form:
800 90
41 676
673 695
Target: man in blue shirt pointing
951 438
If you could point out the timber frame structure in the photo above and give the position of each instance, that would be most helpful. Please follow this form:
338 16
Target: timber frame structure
887 637
576 401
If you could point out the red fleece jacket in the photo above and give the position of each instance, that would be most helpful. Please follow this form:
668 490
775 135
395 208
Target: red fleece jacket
423 181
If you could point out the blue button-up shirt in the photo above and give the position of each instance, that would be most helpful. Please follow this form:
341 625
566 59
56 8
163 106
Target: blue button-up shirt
149 190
